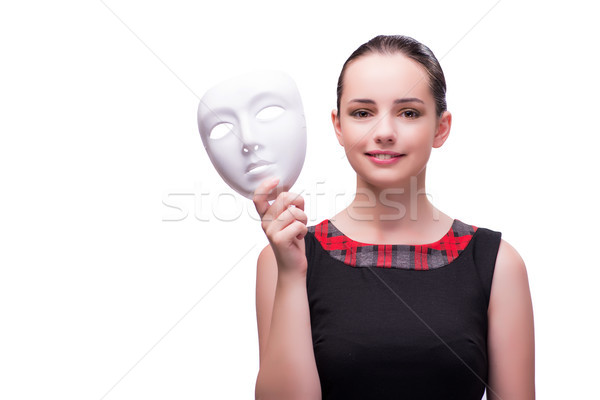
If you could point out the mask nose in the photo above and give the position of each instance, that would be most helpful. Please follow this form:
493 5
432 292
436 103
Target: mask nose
247 138
249 148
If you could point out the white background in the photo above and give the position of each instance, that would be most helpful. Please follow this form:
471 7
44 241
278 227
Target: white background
104 296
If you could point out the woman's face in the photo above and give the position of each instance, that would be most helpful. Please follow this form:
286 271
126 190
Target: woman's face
387 120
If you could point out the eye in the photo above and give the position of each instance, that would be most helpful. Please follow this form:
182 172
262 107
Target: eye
411 114
269 113
360 114
221 130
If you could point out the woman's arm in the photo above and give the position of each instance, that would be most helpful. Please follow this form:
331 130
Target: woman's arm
287 363
511 347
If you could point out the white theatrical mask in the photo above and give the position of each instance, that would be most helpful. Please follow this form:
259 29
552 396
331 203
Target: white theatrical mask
253 128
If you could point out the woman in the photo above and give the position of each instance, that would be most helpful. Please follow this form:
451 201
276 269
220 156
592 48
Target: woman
372 304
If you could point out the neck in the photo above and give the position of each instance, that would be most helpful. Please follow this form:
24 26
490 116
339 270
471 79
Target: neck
404 205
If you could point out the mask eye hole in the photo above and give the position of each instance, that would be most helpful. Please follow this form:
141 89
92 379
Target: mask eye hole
221 130
269 113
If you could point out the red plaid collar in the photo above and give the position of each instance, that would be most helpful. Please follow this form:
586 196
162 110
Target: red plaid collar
415 257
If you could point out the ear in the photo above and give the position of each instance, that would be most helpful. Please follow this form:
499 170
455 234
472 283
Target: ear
443 129
335 120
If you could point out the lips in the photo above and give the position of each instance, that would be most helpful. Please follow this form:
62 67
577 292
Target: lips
252 167
383 155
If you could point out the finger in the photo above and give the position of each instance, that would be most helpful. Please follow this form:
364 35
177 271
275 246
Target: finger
281 203
286 218
261 195
299 215
295 230
296 200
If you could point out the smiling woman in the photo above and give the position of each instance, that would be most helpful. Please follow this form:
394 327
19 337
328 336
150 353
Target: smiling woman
390 298
387 107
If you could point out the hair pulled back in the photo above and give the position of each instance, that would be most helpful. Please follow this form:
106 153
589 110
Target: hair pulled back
412 49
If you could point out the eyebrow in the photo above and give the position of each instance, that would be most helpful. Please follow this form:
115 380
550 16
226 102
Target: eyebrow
397 101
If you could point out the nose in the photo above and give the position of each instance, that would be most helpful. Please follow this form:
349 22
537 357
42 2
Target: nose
248 141
249 148
384 130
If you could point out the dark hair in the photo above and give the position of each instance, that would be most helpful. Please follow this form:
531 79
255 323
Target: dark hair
412 49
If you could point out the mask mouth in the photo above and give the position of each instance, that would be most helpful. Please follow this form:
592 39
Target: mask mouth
257 167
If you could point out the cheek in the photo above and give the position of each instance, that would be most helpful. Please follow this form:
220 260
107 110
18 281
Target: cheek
354 134
284 137
226 156
418 136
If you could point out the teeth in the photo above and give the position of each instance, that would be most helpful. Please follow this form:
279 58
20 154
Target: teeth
383 156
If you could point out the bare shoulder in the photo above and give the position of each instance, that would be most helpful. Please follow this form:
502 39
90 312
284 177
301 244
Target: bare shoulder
266 273
509 260
510 279
266 257
510 284
266 283
511 348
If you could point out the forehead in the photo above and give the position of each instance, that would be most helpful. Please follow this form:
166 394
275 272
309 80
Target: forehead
254 87
383 76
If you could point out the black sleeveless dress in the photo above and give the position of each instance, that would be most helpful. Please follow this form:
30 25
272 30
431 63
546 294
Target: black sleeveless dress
400 321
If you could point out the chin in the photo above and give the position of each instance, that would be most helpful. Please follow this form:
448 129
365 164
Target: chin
383 182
